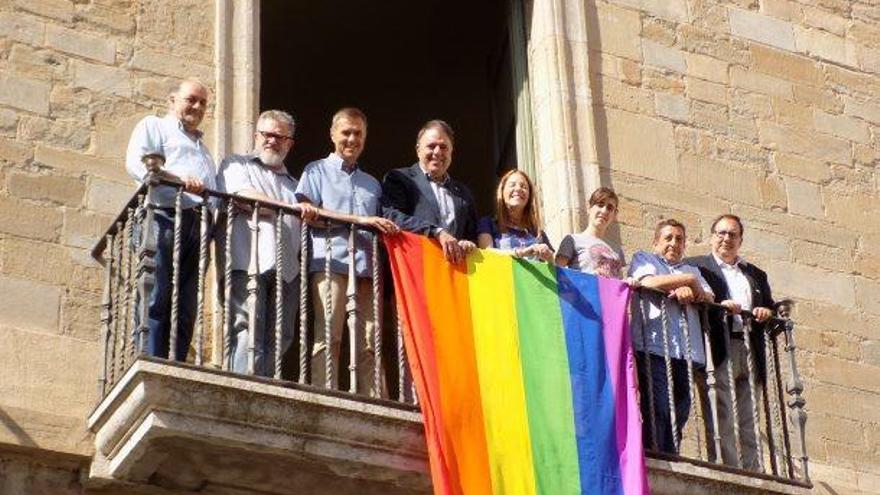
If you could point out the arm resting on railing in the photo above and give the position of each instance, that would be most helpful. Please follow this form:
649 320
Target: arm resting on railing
773 321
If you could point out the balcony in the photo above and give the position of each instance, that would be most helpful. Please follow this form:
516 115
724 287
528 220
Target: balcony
188 428
196 426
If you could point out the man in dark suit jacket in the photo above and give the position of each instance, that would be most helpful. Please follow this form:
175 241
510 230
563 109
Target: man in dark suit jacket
739 286
424 199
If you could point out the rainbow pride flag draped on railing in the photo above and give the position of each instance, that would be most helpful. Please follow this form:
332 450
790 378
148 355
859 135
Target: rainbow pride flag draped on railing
524 372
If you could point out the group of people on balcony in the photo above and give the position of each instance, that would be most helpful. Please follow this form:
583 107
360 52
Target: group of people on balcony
425 199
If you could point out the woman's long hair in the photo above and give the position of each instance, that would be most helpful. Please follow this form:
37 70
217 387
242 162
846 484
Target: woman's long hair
531 220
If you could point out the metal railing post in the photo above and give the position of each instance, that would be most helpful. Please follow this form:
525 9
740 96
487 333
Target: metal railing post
253 288
175 277
279 293
756 423
351 313
303 303
204 212
105 323
795 389
378 379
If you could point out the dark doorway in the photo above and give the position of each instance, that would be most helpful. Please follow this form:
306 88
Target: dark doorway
402 62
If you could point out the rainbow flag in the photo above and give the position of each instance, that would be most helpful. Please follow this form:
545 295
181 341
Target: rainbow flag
524 371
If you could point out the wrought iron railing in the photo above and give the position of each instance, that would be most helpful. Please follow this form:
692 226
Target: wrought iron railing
128 250
776 401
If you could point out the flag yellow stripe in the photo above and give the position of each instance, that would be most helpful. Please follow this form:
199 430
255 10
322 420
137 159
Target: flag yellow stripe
496 344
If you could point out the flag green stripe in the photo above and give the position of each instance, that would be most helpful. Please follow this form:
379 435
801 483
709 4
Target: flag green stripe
547 378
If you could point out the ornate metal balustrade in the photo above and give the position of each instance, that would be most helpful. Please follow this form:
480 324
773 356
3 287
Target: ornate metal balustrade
772 407
128 252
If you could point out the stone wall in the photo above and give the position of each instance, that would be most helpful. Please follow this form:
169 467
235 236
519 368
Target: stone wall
688 108
767 109
75 76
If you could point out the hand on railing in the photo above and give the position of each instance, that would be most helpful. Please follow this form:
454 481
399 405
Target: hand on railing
308 213
192 184
762 314
383 225
684 295
759 314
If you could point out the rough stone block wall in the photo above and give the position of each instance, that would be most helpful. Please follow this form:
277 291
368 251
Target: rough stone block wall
75 76
767 109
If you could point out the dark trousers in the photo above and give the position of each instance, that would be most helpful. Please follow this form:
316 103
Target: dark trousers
159 302
662 417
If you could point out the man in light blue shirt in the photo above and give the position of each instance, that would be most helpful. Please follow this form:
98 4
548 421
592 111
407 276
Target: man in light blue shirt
261 175
337 183
177 139
682 340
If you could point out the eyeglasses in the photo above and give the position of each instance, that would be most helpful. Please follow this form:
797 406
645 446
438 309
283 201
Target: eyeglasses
192 100
721 234
271 135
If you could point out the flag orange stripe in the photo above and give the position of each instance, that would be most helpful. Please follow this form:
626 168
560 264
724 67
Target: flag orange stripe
448 305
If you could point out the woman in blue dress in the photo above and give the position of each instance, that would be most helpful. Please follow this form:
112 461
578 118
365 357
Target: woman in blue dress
516 226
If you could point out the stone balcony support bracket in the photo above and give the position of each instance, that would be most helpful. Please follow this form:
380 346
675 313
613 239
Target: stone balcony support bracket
185 428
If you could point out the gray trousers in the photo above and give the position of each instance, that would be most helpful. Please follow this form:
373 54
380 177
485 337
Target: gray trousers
745 417
264 333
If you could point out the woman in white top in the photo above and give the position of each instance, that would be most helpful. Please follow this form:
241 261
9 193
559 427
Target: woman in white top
590 251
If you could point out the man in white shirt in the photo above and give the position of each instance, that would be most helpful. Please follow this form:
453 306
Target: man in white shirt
261 175
174 144
740 287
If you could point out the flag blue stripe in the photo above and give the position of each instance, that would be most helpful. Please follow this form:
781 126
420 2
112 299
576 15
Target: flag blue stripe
592 394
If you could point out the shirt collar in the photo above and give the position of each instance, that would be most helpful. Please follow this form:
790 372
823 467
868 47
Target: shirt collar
670 265
337 162
737 263
443 181
196 133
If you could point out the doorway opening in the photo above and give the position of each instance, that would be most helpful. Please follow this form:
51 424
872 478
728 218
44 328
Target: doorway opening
402 63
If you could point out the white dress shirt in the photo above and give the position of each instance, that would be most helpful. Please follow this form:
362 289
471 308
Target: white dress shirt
444 200
737 286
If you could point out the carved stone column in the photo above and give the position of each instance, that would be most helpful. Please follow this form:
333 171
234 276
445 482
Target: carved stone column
566 160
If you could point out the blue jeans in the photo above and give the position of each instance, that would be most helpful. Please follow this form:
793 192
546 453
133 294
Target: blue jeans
159 301
662 416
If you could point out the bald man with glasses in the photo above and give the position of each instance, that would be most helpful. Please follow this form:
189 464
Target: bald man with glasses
172 147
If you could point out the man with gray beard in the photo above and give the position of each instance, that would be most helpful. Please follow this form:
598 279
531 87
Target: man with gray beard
261 175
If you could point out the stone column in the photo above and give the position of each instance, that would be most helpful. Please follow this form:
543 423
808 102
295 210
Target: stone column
566 160
237 62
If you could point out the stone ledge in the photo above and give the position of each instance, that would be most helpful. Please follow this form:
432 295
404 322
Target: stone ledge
697 478
185 428
170 426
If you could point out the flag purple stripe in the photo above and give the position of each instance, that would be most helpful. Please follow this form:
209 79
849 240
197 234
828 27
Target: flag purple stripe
621 373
